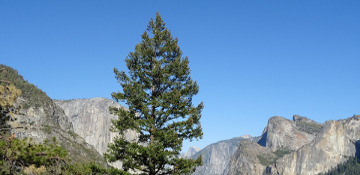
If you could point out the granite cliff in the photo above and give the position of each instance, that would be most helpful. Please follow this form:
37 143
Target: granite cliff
91 120
217 156
337 141
191 151
301 146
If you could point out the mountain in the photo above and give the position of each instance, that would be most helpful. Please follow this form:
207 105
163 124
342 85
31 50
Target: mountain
301 146
281 133
91 119
82 126
216 156
41 119
280 137
191 151
337 141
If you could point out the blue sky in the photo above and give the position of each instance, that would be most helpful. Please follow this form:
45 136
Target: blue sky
252 59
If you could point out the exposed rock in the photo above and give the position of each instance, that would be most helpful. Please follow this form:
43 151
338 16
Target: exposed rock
331 145
44 123
246 161
246 136
280 137
191 151
216 156
336 141
307 125
91 119
281 133
41 120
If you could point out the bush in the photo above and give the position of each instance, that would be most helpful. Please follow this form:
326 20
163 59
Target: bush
271 158
24 156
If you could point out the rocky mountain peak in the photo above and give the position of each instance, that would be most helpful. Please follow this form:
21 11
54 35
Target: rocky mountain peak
301 118
307 125
281 133
191 151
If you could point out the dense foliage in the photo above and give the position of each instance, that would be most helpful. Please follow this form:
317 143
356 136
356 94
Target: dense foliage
18 154
158 90
22 156
351 166
8 96
34 96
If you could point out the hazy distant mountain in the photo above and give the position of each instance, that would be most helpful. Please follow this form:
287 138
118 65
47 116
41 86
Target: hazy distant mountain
191 151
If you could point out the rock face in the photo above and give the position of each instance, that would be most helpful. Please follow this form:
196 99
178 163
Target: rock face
41 119
216 156
281 133
91 119
301 146
336 141
44 123
246 160
191 151
280 137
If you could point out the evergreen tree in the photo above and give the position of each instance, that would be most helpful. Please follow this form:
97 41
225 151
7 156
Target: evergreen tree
8 96
158 90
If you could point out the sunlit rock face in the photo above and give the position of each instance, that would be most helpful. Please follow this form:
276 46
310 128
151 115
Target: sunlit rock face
91 119
217 156
281 133
336 141
47 122
299 147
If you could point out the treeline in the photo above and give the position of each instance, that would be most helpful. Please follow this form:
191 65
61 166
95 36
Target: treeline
351 166
22 156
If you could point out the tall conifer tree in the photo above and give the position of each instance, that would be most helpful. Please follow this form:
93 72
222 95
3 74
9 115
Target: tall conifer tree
158 90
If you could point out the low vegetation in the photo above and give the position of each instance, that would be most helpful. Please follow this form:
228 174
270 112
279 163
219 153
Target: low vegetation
21 156
271 158
309 127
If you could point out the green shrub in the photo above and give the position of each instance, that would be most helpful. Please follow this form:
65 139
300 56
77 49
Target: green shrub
266 159
271 158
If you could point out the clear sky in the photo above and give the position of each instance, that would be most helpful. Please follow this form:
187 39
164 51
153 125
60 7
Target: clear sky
252 59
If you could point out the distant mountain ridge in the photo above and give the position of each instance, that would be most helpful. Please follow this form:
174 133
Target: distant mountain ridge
297 146
191 151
